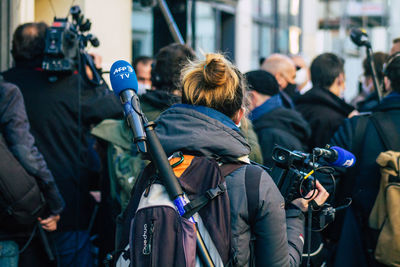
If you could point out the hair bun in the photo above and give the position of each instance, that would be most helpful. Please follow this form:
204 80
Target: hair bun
215 70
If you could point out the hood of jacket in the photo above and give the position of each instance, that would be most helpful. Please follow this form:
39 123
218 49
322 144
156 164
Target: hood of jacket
187 130
322 97
160 99
285 119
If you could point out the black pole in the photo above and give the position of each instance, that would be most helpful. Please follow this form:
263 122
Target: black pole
161 162
173 28
174 189
377 85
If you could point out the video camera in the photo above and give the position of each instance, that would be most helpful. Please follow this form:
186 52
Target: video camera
292 172
295 174
65 45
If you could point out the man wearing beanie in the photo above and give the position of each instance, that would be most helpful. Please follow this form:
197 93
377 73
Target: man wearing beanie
273 123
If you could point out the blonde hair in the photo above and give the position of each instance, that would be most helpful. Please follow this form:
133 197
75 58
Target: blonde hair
214 82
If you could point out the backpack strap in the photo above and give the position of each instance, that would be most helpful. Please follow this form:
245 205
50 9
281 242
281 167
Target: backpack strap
197 204
252 184
387 131
347 184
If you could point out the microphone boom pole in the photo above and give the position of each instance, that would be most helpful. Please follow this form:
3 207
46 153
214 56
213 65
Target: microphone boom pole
173 28
360 38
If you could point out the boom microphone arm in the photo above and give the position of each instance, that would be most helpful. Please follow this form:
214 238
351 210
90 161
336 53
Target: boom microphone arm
360 38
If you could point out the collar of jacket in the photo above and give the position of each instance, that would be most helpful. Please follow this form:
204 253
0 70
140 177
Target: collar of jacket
270 104
188 130
391 101
213 114
287 101
160 99
323 97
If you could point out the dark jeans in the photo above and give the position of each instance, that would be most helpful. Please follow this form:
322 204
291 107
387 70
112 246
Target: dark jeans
8 254
73 249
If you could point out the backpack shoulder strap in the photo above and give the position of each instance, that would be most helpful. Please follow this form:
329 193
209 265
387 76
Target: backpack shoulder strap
387 131
252 184
356 148
197 204
359 134
228 168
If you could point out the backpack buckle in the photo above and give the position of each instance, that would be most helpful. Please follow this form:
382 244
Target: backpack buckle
214 192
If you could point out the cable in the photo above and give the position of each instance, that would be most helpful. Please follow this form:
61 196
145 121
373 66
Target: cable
309 235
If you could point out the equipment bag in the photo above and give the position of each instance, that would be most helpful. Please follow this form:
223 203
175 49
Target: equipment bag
159 236
21 201
385 214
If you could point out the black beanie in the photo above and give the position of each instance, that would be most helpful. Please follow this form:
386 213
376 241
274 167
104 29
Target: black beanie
263 82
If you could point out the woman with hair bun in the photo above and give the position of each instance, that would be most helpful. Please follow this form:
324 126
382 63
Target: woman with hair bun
206 123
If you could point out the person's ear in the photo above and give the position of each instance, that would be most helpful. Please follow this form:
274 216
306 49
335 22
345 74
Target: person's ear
281 80
387 84
238 116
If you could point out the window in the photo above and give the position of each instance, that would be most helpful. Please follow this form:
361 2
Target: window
142 31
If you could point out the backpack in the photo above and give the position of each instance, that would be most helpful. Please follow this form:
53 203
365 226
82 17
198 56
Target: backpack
158 235
124 168
385 214
21 201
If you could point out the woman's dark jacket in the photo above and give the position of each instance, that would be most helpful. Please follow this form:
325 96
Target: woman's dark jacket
367 179
14 128
325 112
278 234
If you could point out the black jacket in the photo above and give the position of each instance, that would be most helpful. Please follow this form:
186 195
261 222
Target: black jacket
325 112
369 103
60 122
14 128
366 185
284 127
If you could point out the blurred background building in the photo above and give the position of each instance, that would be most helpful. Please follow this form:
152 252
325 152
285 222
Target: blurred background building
246 30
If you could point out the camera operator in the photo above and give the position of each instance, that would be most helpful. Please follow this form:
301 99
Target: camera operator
356 240
61 112
20 158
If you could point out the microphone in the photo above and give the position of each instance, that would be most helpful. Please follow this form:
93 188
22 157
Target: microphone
125 86
359 37
336 156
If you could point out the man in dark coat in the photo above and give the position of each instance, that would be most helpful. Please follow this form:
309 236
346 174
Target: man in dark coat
20 156
61 111
274 123
356 240
322 106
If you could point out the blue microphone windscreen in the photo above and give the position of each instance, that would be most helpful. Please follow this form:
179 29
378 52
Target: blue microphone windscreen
122 77
345 158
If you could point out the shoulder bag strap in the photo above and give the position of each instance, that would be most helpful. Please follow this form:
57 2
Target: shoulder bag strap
387 131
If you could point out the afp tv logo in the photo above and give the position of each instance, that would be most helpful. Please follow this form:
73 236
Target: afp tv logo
123 72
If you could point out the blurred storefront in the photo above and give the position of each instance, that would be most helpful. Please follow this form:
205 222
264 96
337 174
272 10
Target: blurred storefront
245 30
327 24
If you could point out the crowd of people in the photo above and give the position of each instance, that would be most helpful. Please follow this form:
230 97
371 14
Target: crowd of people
70 137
